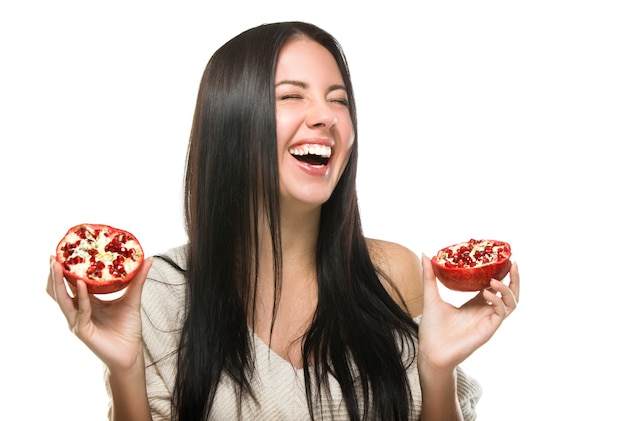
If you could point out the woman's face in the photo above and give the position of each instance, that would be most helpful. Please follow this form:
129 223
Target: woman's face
314 128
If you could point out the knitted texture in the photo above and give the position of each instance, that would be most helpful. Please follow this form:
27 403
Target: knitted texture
278 386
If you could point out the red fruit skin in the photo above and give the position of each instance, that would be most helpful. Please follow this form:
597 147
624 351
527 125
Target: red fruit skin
93 286
471 279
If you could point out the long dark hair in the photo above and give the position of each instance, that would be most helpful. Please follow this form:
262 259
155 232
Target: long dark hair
358 333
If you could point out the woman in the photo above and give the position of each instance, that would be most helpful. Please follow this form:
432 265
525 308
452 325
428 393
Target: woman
279 307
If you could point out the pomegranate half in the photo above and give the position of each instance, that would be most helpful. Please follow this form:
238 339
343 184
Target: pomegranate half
470 266
104 257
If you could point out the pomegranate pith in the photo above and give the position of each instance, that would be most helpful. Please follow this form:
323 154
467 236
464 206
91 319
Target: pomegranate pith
104 257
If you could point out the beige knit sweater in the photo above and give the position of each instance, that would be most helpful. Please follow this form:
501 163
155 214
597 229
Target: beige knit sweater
278 386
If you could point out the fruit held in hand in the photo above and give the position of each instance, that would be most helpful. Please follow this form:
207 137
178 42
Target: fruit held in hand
105 258
471 265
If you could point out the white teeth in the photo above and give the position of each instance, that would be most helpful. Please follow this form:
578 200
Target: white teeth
319 150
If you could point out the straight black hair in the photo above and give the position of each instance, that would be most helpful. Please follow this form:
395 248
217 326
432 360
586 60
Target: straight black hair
359 334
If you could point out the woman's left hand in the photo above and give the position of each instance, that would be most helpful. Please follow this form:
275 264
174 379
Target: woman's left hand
449 334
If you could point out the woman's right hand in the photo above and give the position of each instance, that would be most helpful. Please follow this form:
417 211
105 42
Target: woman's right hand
111 329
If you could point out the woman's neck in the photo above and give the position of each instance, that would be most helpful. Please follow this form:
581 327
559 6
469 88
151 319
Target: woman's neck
299 233
282 317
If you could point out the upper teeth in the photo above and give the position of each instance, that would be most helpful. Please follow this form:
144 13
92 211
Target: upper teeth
320 150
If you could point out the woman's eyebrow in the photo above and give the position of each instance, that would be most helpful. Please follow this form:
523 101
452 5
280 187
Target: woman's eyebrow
337 87
304 85
297 83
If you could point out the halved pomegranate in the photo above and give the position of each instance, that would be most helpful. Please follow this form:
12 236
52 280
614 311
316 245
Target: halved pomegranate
105 258
470 266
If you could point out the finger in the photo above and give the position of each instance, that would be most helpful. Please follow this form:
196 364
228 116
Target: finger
514 283
50 282
57 290
136 286
83 316
431 291
496 302
50 286
505 293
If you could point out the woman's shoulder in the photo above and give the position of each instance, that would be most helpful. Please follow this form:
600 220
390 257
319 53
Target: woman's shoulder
394 258
401 272
165 290
175 257
169 268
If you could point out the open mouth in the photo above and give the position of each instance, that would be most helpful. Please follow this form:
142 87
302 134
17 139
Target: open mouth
317 155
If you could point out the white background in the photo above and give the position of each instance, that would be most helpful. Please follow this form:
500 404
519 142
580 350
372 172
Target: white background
494 119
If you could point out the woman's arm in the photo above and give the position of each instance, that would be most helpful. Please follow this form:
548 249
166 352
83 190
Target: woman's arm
448 335
112 330
129 399
438 384
439 392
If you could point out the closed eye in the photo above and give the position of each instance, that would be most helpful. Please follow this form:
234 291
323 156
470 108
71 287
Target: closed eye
289 96
340 101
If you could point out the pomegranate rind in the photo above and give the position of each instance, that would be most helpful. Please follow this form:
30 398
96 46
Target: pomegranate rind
475 278
100 286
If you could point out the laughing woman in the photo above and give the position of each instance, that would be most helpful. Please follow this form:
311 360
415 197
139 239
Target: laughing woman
278 307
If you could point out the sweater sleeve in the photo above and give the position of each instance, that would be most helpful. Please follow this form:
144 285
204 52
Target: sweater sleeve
162 312
469 392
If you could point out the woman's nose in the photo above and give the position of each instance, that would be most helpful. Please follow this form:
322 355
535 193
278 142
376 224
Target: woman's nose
321 115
